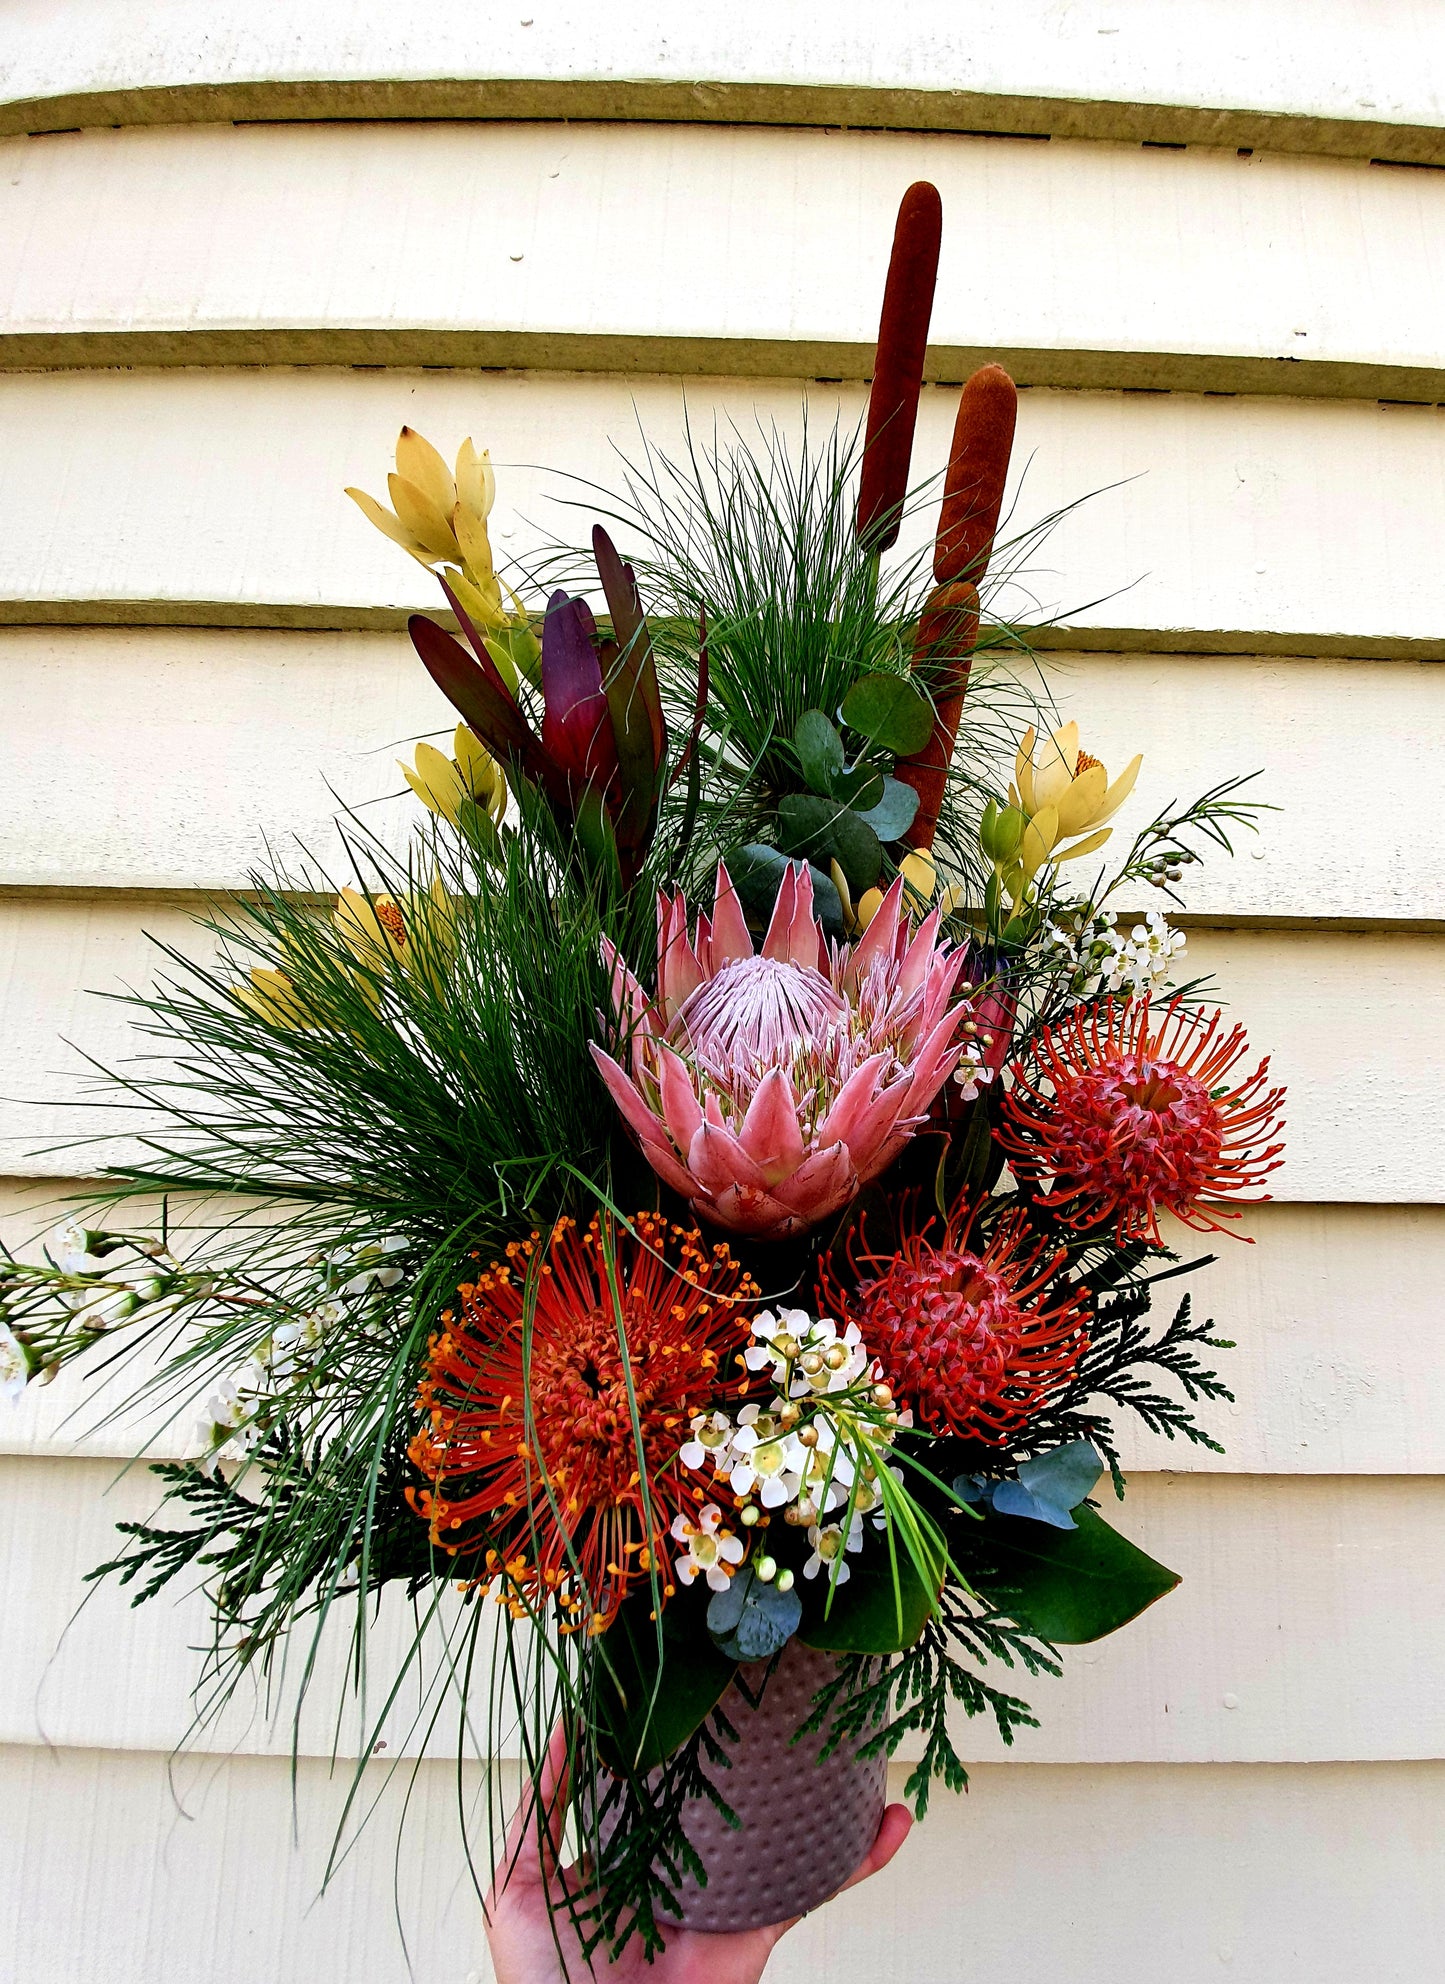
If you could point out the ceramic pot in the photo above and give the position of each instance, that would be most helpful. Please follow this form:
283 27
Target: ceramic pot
805 1824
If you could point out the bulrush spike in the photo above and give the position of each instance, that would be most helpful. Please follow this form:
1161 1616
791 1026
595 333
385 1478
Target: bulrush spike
943 653
898 366
983 436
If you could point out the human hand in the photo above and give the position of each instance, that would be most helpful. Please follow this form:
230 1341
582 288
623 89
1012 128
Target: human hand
524 1938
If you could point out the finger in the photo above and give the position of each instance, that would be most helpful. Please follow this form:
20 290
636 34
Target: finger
543 1803
893 1829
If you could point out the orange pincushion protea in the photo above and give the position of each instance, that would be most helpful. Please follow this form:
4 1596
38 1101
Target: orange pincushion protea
555 1497
968 1336
1130 1115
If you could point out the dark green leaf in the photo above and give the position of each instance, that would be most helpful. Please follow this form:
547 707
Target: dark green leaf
821 830
819 749
757 872
750 1620
1068 1586
888 710
868 1615
892 815
860 788
640 1728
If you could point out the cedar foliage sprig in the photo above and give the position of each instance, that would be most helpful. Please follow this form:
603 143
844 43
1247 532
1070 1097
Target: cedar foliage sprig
873 1704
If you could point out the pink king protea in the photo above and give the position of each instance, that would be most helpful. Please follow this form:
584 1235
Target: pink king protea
767 1089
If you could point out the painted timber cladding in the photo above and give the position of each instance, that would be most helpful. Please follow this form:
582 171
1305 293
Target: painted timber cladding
199 632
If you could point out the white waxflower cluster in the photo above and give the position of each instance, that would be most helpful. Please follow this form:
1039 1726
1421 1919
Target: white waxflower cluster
14 1365
240 1412
117 1286
92 1281
1103 960
810 1450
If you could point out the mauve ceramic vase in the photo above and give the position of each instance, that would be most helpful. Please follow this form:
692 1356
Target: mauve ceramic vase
805 1824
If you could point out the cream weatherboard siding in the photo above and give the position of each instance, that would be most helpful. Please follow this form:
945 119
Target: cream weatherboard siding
1207 253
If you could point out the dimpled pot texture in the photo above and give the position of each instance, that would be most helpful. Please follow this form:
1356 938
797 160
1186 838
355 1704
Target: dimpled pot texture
805 1824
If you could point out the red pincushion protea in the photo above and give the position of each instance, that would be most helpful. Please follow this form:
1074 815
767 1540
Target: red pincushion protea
558 1504
967 1334
1132 1114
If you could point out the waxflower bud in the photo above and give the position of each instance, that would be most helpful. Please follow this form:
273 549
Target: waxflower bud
748 1514
785 1580
766 1569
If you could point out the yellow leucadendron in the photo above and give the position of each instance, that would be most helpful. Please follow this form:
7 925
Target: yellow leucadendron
439 517
1064 795
470 776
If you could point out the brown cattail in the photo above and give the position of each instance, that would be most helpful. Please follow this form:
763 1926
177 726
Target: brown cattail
983 437
943 653
898 365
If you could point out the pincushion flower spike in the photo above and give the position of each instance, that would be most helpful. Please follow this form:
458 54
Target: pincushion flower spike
768 1087
975 1335
1125 1113
528 1446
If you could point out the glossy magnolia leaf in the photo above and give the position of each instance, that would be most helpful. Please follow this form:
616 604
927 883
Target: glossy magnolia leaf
821 830
1068 1586
750 1620
819 749
893 814
888 710
757 872
869 1614
646 1715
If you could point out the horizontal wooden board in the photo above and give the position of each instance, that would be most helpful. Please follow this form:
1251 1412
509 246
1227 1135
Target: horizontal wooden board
185 751
1302 1632
513 247
1333 1314
1365 1109
1122 1876
1364 87
1208 515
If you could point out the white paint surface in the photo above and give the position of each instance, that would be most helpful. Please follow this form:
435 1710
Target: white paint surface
185 751
670 233
1202 514
132 1873
1302 1598
1355 62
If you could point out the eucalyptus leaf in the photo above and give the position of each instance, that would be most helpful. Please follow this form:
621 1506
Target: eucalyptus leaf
894 812
1063 1476
860 787
822 831
888 710
750 1620
757 872
820 751
1068 1586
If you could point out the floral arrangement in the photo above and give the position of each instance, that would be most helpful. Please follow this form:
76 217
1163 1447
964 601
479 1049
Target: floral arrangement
706 1194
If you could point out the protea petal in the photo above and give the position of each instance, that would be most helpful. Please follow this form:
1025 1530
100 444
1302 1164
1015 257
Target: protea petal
769 1085
628 1097
730 938
771 1134
717 1160
680 1107
821 1186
